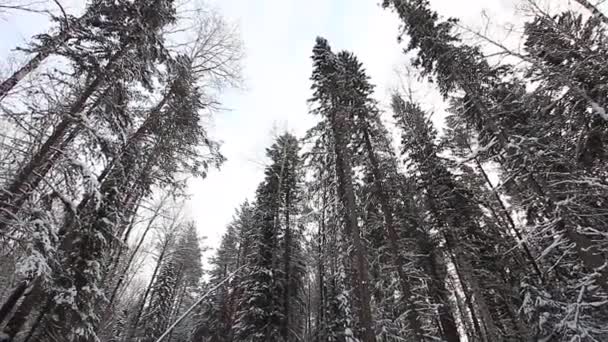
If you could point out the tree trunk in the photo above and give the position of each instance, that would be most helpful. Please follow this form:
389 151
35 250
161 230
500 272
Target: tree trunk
12 300
393 239
37 322
287 265
594 10
507 216
465 318
438 292
175 313
33 296
30 176
474 298
132 257
7 85
347 196
140 310
320 326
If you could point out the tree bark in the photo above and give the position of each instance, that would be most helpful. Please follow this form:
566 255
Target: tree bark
131 258
7 85
30 176
12 300
37 322
392 237
507 216
594 10
474 298
322 243
438 292
347 196
33 296
140 310
287 266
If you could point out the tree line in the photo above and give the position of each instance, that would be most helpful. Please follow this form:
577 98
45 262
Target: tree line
419 243
491 228
103 124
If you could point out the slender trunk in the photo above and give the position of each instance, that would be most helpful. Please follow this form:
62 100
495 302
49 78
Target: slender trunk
434 266
347 196
37 322
321 309
591 256
594 10
51 46
507 216
29 177
12 300
468 297
393 240
33 296
485 324
132 257
465 317
287 265
178 303
140 310
117 256
438 292
308 335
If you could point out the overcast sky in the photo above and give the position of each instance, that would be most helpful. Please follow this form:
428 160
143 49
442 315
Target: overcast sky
278 37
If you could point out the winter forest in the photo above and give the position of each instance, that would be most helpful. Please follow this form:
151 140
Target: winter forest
377 225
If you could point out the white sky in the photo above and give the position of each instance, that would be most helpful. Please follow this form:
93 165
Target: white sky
279 36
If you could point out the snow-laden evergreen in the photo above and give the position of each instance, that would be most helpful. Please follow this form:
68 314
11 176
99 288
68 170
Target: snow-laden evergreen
491 227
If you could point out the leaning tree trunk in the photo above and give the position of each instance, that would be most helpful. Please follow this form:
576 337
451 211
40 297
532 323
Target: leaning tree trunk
140 310
507 216
44 52
594 10
132 256
393 239
320 319
12 300
97 219
117 178
29 176
33 296
482 319
590 254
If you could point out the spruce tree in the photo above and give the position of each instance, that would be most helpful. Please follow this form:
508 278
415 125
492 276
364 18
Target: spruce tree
535 159
128 53
269 291
334 320
235 252
457 218
380 163
179 274
332 102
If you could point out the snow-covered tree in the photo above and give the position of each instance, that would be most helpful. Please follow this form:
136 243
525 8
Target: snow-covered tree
273 282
